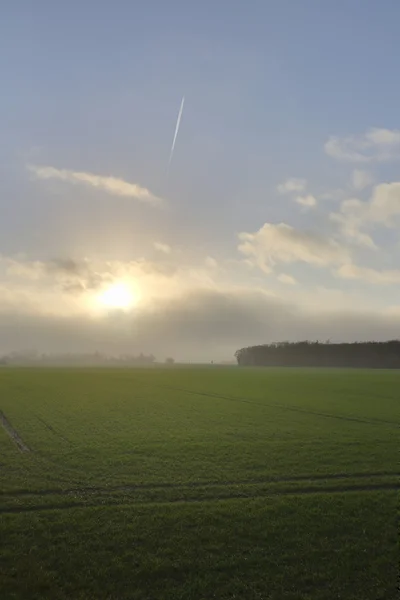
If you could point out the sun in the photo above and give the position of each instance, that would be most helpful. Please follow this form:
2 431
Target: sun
119 295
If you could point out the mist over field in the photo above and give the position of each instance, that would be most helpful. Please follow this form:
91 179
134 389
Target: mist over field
69 306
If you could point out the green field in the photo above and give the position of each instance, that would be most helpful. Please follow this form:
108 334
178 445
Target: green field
200 483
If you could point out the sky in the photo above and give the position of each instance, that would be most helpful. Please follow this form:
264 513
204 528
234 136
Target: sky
279 216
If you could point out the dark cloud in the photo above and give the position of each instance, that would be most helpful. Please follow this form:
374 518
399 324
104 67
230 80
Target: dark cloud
73 287
77 276
67 265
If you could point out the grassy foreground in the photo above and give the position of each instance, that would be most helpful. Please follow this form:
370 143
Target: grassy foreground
199 483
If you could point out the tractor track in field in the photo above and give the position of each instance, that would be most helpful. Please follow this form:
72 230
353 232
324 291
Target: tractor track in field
13 433
132 487
53 430
239 495
288 407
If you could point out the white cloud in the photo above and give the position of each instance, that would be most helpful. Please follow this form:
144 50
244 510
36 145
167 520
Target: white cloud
349 227
382 209
383 277
384 204
287 279
361 179
383 137
374 145
292 185
111 185
281 243
307 201
164 248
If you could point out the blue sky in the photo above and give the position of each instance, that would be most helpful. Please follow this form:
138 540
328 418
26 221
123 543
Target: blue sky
275 92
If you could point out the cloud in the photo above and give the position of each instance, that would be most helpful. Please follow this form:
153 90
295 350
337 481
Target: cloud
33 270
211 262
335 194
282 243
164 248
350 226
383 205
383 137
383 208
287 279
292 185
110 185
62 286
63 274
361 179
383 277
308 201
375 145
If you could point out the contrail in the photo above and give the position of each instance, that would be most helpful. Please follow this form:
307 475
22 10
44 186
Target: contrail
178 122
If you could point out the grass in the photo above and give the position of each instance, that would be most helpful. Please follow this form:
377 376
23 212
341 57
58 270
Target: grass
200 483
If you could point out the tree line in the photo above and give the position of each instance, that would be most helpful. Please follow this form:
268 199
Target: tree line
33 358
379 355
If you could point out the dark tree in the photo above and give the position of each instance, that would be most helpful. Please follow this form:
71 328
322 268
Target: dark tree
380 355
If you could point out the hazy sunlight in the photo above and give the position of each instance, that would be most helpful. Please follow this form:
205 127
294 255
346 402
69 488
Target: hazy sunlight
119 295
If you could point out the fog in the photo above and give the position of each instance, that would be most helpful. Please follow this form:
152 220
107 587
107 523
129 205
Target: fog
200 325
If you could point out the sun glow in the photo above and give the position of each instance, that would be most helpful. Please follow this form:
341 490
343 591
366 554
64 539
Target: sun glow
119 295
